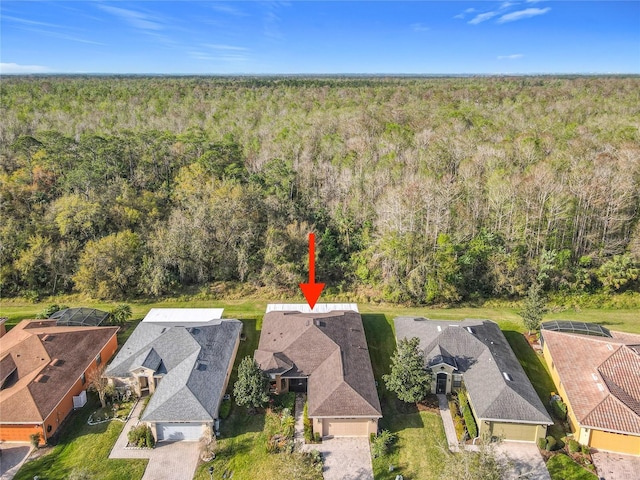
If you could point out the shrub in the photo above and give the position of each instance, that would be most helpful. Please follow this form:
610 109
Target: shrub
467 414
585 449
542 443
225 409
559 409
382 443
308 424
316 437
574 447
551 444
35 439
141 436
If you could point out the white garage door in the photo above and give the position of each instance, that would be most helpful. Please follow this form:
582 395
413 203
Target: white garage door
341 427
179 431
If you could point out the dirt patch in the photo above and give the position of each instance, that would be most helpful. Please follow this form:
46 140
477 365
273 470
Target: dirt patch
429 404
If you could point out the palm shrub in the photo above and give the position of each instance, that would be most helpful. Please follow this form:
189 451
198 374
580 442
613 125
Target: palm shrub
382 443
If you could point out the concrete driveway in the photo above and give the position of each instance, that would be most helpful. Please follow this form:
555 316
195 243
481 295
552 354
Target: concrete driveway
13 456
345 458
168 461
524 459
615 466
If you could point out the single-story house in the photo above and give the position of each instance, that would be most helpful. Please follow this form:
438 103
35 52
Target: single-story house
182 357
598 378
43 372
324 354
475 355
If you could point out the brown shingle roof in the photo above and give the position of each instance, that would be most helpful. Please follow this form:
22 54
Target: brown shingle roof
28 400
601 377
331 350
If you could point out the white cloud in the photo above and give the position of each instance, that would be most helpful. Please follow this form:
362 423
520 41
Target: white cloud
216 46
30 22
521 14
483 17
14 68
135 19
419 27
515 56
228 9
506 5
468 10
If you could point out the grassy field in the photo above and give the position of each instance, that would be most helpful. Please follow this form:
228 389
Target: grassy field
83 451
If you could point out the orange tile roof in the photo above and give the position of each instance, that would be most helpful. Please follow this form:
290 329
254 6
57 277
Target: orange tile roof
601 378
25 399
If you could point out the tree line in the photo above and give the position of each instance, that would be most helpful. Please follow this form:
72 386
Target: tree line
421 190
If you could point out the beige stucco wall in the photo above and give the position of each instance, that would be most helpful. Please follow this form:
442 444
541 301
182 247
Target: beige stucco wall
346 427
521 432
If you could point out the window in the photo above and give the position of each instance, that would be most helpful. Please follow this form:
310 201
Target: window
98 359
83 379
457 381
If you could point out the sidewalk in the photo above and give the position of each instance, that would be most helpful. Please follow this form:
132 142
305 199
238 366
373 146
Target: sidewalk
447 421
298 435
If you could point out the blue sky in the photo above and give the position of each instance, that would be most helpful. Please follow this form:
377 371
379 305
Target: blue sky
306 37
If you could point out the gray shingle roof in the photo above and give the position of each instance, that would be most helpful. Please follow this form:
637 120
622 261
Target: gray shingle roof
482 357
196 361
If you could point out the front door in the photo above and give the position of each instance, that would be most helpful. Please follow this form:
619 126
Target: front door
441 383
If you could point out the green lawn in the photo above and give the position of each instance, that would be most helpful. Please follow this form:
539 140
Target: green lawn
421 447
83 451
562 467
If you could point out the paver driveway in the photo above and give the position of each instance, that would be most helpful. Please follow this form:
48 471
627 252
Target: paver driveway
345 458
615 466
525 460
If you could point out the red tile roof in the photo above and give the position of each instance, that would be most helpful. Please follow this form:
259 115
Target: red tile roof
601 378
40 385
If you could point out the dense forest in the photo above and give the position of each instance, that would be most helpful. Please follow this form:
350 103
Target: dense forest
420 190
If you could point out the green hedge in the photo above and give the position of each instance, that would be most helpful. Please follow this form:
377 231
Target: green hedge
559 409
467 414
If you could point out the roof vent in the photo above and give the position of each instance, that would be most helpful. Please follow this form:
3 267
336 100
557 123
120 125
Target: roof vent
56 362
47 338
319 323
470 330
42 378
193 330
507 377
600 387
202 365
609 347
439 328
594 376
163 330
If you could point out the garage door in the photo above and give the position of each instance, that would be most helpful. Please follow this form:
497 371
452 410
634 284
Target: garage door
615 442
344 427
514 431
179 431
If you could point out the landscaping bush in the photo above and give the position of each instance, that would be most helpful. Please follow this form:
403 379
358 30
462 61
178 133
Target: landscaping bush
317 438
551 444
542 443
284 400
308 425
381 444
574 447
225 409
585 449
467 414
35 439
141 436
559 409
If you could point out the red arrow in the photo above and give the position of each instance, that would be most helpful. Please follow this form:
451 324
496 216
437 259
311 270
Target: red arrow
312 290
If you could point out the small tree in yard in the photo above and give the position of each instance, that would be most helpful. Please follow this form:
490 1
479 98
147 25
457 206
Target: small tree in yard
408 378
121 313
472 465
252 384
97 382
535 306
